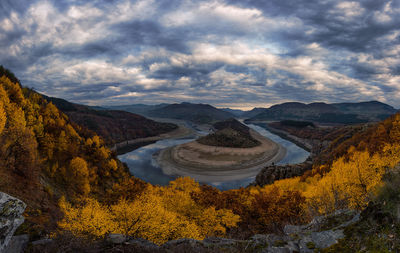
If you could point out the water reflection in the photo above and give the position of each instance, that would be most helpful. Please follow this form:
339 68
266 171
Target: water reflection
142 165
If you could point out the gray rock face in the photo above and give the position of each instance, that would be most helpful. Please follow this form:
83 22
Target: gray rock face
272 173
327 238
17 244
11 218
116 238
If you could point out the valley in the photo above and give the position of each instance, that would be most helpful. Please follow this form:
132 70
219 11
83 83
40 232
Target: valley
219 177
153 162
212 126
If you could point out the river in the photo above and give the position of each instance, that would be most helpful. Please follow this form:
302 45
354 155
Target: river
142 165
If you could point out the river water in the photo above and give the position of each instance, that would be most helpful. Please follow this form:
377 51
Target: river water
142 165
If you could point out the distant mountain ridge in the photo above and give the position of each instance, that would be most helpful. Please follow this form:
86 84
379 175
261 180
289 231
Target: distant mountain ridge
113 125
197 113
342 113
140 109
236 112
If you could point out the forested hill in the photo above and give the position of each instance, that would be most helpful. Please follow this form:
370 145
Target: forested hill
44 156
75 187
342 113
113 125
229 133
197 113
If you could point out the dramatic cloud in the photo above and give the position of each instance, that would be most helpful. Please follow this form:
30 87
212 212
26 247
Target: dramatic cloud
236 53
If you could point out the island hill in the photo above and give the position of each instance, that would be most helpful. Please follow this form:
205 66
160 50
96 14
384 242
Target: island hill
230 133
232 151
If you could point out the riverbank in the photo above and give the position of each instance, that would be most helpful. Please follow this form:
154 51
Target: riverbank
303 143
219 164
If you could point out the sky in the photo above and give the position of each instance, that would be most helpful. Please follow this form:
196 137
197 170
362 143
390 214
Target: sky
233 53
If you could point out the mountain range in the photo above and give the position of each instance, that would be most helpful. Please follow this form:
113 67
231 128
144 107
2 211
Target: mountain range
341 113
113 125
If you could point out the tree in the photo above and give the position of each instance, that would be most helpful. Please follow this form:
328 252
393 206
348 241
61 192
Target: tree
89 219
3 117
80 173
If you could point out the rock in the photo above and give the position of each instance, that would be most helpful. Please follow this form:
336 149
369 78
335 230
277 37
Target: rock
116 238
11 210
259 239
42 242
327 238
219 241
180 242
17 244
271 173
276 250
292 229
143 243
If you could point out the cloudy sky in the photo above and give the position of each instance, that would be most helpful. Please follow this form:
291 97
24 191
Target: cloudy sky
236 53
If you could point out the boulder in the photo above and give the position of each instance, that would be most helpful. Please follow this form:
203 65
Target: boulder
42 242
143 243
11 210
17 244
116 238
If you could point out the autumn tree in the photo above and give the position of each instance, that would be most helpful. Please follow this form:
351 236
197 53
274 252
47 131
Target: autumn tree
3 117
90 218
80 173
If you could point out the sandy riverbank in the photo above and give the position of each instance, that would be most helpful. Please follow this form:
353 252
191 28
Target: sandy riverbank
218 164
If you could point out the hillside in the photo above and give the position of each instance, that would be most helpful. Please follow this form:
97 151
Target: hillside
44 156
78 192
253 112
140 109
197 113
230 133
339 113
112 125
236 112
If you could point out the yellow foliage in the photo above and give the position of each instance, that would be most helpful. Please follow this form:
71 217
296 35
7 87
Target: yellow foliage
159 214
112 165
3 117
80 172
349 183
91 218
16 118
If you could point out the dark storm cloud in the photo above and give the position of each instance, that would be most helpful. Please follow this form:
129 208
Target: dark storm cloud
148 33
195 72
331 28
231 52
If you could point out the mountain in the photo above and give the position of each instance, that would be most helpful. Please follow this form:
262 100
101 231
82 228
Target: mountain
255 111
342 113
78 193
197 113
372 109
236 112
114 126
140 109
44 157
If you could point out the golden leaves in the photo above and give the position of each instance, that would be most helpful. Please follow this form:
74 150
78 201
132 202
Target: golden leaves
159 214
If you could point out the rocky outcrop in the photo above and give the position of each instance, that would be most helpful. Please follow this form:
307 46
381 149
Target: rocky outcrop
17 244
11 218
272 173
